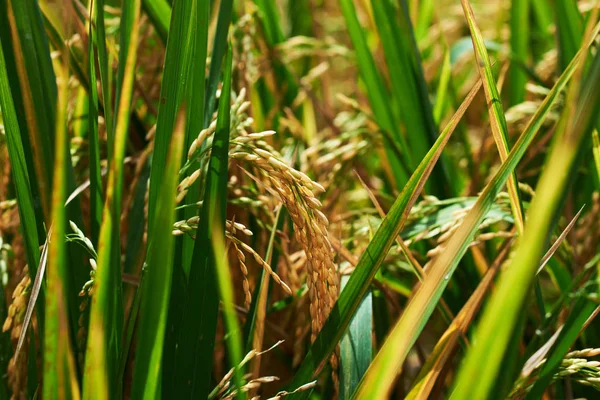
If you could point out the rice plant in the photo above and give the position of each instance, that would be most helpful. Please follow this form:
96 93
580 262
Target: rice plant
324 199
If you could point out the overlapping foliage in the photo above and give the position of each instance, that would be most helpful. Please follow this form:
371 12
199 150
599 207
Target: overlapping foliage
334 198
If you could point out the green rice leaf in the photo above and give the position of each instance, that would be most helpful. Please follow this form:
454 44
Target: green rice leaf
197 335
106 313
159 12
519 44
60 379
377 94
356 346
93 139
496 112
157 284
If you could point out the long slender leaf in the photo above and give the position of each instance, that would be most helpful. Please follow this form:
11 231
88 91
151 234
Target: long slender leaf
60 379
378 97
197 336
175 79
497 118
159 12
93 140
413 97
519 43
37 86
194 99
106 313
19 169
445 347
223 275
218 51
569 29
99 38
155 292
356 346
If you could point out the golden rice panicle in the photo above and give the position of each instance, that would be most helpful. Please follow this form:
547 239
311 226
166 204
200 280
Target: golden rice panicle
297 192
260 261
224 390
17 369
246 284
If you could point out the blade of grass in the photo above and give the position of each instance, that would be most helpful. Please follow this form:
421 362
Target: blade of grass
55 31
126 34
93 141
496 112
596 151
414 96
497 118
446 346
403 88
558 241
356 346
569 30
130 326
103 344
172 91
99 38
155 292
378 96
442 90
36 289
542 11
371 260
425 16
37 86
387 363
218 51
223 275
519 45
195 64
273 29
25 198
60 380
19 169
197 335
515 282
274 35
159 12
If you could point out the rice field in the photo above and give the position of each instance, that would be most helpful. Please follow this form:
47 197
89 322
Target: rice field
299 199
